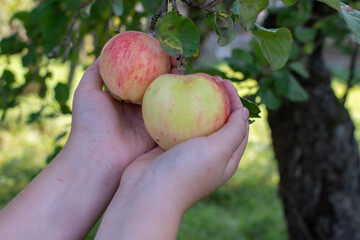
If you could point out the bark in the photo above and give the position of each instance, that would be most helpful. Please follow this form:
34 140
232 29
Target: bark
318 161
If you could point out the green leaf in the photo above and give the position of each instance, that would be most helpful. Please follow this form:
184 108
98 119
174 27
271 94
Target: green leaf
287 85
352 18
7 79
243 61
241 55
275 44
53 154
226 31
332 3
248 10
223 26
235 9
300 69
178 35
255 46
289 2
309 48
269 97
295 51
211 20
151 5
189 67
118 7
252 107
304 34
22 16
11 45
61 93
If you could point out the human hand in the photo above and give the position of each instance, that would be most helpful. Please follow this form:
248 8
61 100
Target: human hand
199 166
115 129
158 187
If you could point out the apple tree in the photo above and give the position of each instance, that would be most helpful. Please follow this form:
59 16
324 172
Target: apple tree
312 132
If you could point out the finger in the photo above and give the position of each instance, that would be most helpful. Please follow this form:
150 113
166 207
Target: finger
234 98
174 62
92 78
218 78
230 136
175 71
234 161
154 153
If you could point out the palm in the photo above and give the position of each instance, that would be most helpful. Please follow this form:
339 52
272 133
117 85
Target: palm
117 128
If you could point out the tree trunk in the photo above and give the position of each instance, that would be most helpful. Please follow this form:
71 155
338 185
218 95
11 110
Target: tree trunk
318 161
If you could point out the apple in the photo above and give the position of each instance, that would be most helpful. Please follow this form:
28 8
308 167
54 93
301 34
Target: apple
176 108
129 62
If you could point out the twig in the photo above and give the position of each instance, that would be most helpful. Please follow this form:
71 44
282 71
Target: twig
162 9
73 64
174 6
66 41
183 62
349 82
208 7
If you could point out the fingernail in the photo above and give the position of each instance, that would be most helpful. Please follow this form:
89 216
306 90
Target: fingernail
245 113
218 78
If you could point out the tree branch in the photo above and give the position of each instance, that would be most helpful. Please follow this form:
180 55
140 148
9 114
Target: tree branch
349 82
162 9
174 6
66 41
208 7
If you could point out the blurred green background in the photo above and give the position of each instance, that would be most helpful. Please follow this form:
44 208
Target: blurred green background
247 207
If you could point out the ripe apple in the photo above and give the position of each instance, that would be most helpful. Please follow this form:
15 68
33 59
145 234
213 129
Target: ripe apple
129 62
179 107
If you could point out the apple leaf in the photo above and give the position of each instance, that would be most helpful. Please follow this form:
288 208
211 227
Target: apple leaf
178 35
268 96
248 11
118 7
61 92
211 20
223 26
332 3
289 2
287 85
299 68
254 110
352 18
304 34
151 5
226 30
275 44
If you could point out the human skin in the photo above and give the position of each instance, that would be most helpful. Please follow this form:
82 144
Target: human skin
180 107
66 199
129 62
159 187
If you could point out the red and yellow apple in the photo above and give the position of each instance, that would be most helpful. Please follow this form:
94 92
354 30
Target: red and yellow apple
129 62
176 108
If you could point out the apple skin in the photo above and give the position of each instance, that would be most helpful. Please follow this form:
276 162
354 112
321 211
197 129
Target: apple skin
179 107
129 62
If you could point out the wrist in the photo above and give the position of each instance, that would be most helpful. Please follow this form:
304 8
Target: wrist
97 154
141 206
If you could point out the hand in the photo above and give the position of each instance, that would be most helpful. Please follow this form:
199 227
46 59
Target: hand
199 166
115 129
158 187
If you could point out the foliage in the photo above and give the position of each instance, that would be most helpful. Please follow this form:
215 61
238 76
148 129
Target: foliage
73 32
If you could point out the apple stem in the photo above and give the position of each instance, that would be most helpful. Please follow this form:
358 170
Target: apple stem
183 61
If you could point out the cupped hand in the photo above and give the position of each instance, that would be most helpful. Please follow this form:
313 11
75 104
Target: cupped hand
193 169
114 129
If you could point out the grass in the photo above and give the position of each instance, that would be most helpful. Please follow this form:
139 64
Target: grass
246 207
